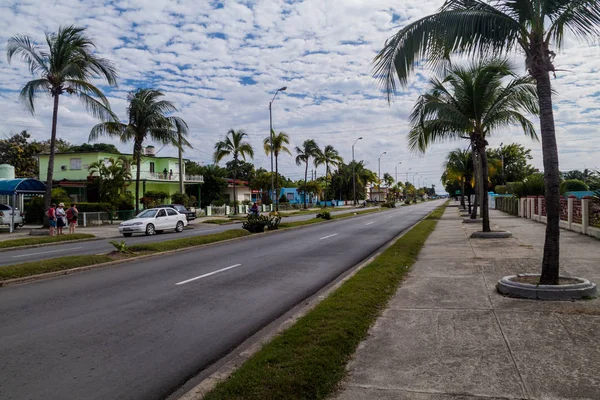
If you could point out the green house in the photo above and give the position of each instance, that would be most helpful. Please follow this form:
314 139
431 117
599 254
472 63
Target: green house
156 173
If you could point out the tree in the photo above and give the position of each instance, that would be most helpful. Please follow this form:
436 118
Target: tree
244 170
66 66
21 154
473 101
388 179
308 150
214 182
96 147
328 157
514 163
476 28
148 119
277 144
113 177
458 168
234 145
60 146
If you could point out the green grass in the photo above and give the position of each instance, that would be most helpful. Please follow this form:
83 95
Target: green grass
43 240
55 264
189 241
217 221
285 225
308 360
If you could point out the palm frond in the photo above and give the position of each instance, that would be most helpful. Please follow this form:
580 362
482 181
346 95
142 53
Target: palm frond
31 90
581 17
23 46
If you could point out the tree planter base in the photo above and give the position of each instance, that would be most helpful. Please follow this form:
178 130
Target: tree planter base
472 221
580 289
491 235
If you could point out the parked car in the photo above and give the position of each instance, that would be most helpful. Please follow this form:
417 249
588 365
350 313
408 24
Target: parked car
154 220
190 215
6 218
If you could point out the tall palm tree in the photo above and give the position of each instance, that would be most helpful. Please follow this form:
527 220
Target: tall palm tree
66 66
148 119
234 145
113 177
474 27
279 142
329 156
308 150
473 101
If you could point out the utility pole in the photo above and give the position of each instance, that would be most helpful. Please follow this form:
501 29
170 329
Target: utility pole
353 172
271 139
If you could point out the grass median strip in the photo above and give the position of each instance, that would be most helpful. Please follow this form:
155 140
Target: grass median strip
294 224
65 263
29 241
308 360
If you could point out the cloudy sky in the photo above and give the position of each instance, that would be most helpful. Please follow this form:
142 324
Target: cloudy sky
220 62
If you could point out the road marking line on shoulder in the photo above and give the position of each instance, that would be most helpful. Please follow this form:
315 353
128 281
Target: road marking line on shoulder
209 274
326 237
369 223
46 252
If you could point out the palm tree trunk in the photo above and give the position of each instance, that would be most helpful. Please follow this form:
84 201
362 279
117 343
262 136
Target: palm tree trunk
137 154
462 194
305 183
550 263
276 184
476 173
234 189
483 198
50 171
326 173
181 188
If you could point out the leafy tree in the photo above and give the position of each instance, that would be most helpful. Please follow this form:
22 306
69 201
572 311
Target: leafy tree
234 145
244 170
573 185
476 28
388 179
473 101
96 147
515 163
304 154
148 118
66 66
459 169
60 146
21 154
113 177
214 182
277 144
328 157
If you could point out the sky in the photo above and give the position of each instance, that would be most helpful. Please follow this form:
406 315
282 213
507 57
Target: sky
220 63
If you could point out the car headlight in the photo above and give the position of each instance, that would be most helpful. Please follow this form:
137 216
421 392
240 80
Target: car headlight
138 223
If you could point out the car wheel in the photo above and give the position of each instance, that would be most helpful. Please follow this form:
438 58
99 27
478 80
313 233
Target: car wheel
150 230
179 227
127 234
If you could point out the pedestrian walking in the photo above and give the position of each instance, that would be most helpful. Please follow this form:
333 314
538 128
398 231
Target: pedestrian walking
61 218
72 214
51 214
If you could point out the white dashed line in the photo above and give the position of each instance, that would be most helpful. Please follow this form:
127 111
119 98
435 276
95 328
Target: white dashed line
325 237
209 274
369 223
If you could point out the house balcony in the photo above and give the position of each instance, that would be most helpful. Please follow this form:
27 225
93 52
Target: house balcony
160 176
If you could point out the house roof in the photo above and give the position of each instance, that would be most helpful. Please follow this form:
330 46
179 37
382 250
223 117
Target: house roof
23 185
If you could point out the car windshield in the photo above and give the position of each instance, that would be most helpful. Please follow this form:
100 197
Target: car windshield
147 214
180 208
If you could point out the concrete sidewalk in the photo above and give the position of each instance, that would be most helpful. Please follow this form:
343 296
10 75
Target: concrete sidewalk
448 334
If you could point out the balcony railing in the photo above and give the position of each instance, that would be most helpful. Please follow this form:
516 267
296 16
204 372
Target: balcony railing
160 176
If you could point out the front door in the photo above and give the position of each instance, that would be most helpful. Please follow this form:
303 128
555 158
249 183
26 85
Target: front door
162 221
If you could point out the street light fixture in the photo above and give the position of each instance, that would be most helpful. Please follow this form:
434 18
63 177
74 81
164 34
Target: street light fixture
413 178
407 174
353 173
281 89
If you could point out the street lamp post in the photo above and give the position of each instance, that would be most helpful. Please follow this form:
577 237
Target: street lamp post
379 174
407 174
281 89
397 171
413 178
353 173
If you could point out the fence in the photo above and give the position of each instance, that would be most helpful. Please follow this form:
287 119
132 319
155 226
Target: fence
578 215
86 219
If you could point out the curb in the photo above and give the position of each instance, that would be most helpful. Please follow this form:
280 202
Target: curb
32 246
233 360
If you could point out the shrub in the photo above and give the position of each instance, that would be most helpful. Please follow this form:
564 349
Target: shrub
516 188
179 198
501 189
573 185
34 210
125 202
407 201
153 197
389 204
94 207
120 247
283 199
60 195
256 223
324 215
273 223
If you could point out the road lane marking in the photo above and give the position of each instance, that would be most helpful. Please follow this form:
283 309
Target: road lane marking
209 274
46 252
369 223
326 237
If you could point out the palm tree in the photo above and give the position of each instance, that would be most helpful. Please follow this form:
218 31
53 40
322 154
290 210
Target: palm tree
148 119
234 145
303 155
477 28
66 66
113 177
473 101
458 168
328 156
279 142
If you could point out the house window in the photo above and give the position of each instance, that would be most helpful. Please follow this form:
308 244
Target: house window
290 196
152 167
75 163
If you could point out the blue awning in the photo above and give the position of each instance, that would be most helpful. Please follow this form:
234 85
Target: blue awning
21 186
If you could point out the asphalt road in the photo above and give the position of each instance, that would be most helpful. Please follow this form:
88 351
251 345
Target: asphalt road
140 330
103 246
